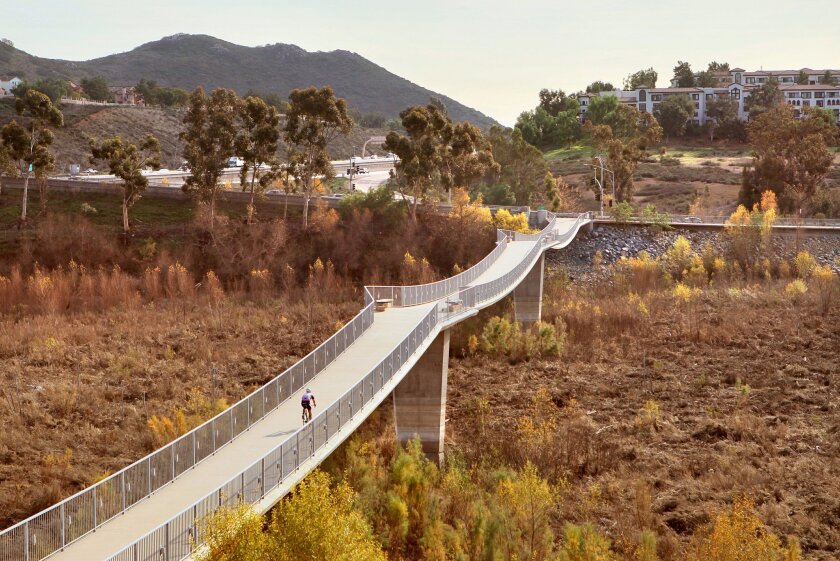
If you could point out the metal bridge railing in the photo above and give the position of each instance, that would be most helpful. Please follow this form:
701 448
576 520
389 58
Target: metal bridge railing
425 293
53 529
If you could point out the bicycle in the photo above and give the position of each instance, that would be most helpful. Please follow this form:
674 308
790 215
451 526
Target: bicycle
307 415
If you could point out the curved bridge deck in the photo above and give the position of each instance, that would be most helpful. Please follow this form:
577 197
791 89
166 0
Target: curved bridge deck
274 452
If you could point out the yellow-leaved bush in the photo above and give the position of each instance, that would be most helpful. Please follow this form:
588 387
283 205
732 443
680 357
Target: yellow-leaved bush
317 521
739 535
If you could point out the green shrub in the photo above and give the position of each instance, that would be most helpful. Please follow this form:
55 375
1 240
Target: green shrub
622 212
657 221
585 543
502 337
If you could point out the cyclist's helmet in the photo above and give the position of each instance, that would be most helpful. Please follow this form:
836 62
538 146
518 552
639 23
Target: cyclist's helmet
308 390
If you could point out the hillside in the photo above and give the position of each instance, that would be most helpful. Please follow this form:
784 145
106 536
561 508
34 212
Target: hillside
188 61
82 122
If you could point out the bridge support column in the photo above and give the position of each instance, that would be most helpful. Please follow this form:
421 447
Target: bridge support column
420 399
527 297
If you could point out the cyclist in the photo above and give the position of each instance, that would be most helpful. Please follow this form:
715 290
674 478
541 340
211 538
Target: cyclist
307 401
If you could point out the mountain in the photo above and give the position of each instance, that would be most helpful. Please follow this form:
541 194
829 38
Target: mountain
187 61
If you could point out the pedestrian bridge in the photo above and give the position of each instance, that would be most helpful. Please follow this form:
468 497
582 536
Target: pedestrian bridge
256 450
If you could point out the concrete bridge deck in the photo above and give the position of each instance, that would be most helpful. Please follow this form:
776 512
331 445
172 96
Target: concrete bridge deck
388 331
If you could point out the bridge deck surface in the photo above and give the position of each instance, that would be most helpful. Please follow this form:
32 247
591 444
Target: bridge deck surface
388 330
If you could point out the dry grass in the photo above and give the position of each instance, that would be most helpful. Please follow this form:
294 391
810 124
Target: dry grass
658 427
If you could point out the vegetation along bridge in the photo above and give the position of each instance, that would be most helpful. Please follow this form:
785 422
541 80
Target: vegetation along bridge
256 450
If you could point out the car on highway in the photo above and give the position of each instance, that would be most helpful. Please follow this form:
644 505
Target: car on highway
235 162
273 192
363 170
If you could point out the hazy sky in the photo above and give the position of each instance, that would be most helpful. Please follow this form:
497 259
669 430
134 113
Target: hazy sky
492 55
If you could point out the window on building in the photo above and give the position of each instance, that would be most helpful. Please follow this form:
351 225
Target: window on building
750 80
695 96
819 95
642 95
806 95
820 103
736 93
786 80
738 78
762 80
655 106
656 97
643 107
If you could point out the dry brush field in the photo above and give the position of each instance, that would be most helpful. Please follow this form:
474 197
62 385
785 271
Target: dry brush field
660 414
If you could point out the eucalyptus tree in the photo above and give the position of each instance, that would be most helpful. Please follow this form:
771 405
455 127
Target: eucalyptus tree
209 141
256 144
127 161
28 145
315 118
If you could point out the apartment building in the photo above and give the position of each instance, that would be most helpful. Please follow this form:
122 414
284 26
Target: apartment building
783 77
741 83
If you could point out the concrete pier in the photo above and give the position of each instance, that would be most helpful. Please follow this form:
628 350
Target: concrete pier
527 297
420 399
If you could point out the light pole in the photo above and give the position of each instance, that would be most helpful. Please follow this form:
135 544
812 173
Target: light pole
352 169
600 182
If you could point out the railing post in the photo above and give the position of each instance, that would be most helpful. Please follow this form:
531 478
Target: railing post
262 477
95 508
173 460
166 545
122 485
150 475
195 454
26 542
63 533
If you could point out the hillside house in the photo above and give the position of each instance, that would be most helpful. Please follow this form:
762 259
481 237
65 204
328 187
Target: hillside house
7 84
126 95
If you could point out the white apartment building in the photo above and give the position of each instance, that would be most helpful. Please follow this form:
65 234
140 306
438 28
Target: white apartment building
814 94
